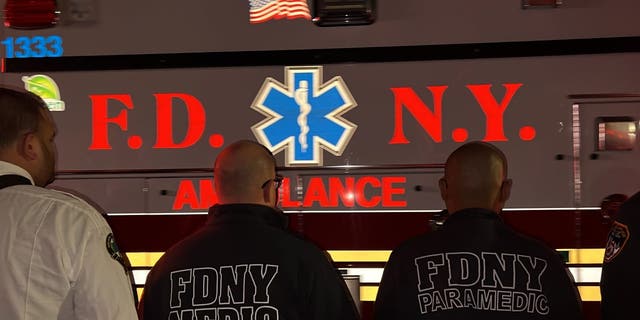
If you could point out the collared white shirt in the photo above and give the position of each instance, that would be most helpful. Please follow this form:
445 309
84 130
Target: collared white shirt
55 263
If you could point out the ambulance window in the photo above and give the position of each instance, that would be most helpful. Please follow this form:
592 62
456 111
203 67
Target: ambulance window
616 133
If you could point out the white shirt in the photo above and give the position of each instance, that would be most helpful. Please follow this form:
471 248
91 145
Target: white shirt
54 258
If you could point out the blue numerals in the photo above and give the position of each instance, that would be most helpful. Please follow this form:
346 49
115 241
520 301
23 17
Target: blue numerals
32 47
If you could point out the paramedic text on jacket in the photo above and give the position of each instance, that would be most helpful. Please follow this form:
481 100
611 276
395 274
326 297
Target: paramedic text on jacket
475 266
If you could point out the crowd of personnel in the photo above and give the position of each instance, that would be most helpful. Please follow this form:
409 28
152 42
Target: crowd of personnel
61 260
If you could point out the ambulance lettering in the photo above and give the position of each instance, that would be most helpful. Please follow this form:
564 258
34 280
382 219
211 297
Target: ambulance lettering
329 192
112 111
430 120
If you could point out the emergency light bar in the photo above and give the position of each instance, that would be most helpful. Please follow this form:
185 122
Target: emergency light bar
32 14
343 12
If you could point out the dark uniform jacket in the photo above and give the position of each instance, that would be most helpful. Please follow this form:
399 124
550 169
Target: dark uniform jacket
620 278
244 265
476 267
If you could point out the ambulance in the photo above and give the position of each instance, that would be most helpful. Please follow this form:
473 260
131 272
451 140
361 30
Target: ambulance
361 101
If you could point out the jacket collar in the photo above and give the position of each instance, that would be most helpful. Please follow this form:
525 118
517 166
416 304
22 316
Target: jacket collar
472 214
246 213
7 168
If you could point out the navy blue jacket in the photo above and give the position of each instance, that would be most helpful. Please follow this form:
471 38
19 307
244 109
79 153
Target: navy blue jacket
243 264
620 279
476 267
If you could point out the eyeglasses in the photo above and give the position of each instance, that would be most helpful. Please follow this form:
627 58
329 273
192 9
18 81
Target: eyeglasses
277 180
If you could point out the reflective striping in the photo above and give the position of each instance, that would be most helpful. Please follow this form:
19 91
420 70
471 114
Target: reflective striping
585 255
140 276
359 255
580 256
369 276
586 274
368 293
374 275
148 259
144 259
580 274
589 293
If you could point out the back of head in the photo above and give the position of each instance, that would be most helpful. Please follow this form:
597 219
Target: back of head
475 177
19 114
244 173
27 134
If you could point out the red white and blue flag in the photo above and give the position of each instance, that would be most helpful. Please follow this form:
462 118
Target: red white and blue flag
263 10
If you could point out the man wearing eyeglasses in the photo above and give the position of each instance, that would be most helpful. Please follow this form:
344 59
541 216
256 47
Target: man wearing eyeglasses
244 264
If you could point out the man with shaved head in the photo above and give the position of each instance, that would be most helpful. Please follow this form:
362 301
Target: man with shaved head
239 167
475 176
244 264
475 266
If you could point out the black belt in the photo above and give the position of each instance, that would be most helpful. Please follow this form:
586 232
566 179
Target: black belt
9 180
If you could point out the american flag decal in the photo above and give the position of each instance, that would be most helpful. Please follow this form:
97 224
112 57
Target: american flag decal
263 10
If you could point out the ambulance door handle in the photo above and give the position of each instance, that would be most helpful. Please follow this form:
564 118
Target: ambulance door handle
592 156
165 192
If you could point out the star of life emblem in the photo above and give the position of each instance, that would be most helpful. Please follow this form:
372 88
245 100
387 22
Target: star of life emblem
304 115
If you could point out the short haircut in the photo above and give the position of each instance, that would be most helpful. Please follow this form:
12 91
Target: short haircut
20 113
253 161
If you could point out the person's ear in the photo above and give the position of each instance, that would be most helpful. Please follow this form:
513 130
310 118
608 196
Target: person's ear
505 190
267 195
28 147
442 184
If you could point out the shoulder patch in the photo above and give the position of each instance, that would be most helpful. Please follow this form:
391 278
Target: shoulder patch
618 237
114 251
